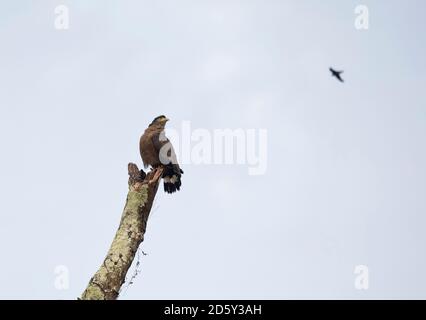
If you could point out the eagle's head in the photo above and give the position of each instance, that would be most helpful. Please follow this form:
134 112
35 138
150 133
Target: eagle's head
159 121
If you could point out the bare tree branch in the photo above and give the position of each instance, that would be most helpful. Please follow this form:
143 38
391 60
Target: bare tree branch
107 281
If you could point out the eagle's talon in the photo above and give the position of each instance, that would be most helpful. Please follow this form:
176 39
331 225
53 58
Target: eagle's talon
142 174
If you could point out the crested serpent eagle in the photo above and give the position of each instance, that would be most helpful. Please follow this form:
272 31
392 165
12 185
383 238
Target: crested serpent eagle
156 150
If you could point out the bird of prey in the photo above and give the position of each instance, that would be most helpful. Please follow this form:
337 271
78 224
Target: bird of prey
156 150
336 74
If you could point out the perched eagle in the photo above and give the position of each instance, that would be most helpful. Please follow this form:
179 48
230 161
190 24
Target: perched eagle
156 150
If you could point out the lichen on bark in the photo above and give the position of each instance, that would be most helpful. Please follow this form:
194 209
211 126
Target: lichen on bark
107 281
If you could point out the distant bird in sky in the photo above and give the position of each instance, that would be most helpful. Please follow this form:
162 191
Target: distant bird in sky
337 74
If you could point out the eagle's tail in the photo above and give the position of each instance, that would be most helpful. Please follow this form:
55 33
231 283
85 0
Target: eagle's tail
171 177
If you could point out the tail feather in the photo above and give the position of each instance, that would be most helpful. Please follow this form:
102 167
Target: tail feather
172 178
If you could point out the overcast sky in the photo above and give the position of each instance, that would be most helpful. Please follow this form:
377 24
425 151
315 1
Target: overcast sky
345 179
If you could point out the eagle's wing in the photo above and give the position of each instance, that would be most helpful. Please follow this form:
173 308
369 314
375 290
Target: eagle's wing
167 156
159 139
164 147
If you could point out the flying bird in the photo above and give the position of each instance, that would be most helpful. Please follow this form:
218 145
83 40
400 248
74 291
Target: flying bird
156 151
337 74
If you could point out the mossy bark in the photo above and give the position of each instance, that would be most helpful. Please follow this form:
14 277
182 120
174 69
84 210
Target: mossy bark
107 281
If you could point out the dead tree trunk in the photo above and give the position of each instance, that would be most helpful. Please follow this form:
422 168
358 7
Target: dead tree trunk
107 281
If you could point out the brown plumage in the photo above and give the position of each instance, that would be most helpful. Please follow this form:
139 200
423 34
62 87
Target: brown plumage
156 150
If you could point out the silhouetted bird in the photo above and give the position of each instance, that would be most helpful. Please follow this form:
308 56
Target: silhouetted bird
336 74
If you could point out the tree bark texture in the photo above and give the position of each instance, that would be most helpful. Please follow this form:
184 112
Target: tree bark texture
107 281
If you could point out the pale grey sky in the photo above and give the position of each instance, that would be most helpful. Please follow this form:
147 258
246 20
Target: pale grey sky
345 183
